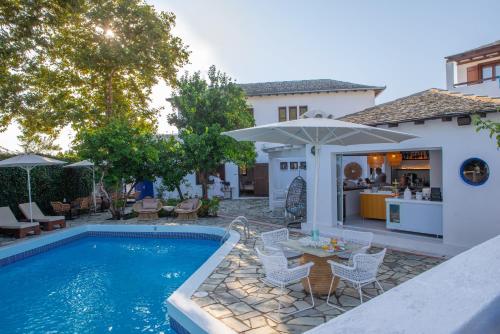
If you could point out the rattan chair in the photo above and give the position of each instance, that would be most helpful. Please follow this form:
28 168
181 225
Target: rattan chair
148 208
188 209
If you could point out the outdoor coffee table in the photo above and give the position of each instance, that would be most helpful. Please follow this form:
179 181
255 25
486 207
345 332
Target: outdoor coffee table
321 273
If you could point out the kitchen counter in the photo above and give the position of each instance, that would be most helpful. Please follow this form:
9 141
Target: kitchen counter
413 201
414 216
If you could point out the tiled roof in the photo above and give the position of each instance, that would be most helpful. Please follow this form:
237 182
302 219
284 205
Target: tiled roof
304 86
486 47
429 104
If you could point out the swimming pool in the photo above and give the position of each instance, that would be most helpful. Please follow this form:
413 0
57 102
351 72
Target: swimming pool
99 284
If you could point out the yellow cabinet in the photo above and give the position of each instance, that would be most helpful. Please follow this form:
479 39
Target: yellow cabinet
372 206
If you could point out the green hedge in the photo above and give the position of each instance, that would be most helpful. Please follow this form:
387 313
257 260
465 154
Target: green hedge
51 183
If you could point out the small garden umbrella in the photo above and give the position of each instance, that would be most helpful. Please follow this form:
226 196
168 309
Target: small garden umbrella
316 128
86 164
28 162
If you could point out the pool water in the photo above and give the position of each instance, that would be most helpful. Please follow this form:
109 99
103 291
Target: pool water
98 285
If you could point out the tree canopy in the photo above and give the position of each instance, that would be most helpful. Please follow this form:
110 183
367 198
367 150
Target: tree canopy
204 110
123 153
82 62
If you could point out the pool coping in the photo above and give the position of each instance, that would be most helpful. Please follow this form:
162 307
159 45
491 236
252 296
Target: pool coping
185 315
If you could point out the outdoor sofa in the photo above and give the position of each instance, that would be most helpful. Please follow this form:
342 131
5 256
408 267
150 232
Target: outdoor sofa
9 225
47 222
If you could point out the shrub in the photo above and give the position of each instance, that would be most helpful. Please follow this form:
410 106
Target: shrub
209 207
48 183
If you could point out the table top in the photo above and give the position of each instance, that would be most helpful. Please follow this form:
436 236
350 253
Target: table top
318 251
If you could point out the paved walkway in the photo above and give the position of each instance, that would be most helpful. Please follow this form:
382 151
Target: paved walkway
236 294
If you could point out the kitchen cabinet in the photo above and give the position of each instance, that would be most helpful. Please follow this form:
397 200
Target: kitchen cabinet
372 205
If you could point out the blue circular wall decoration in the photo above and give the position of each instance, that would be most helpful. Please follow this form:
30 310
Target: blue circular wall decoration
474 171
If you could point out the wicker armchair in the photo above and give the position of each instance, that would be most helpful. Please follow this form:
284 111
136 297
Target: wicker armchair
188 209
61 209
147 209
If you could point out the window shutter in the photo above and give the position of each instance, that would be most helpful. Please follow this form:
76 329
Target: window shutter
472 74
292 113
282 114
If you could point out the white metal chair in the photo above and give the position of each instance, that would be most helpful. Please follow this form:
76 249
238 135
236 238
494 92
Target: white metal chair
278 274
363 240
363 272
272 239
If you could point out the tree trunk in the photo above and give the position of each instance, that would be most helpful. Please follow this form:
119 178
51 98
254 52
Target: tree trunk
109 94
204 184
181 197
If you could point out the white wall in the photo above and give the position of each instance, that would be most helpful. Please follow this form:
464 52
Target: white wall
338 104
281 179
470 214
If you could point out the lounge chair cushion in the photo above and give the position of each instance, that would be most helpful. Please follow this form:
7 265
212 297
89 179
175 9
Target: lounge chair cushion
149 203
9 221
50 218
186 205
18 226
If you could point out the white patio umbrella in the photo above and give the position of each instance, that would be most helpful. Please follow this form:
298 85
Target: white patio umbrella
28 162
317 130
90 165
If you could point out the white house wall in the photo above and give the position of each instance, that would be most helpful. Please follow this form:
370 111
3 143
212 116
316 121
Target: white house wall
279 180
338 104
471 214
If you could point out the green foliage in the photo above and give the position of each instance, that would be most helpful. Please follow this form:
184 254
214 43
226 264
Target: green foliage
173 165
492 127
122 153
204 110
209 207
51 183
82 62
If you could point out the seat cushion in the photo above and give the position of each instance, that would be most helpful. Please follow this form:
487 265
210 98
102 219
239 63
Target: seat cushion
149 203
186 205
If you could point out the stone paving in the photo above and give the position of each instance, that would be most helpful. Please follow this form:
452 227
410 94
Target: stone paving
237 296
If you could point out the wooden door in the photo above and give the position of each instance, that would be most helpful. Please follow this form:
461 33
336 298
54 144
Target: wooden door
261 179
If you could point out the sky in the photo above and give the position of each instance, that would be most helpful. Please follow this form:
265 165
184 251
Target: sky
398 44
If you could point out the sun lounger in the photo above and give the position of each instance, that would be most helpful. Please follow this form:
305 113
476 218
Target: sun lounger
10 226
47 222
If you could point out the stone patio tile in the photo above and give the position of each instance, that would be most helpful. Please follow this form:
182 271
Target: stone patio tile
217 310
307 321
293 329
235 324
257 322
239 308
225 298
248 315
262 330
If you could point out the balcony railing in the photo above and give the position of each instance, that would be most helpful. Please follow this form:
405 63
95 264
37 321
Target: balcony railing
476 82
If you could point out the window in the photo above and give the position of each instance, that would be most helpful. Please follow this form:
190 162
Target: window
292 113
282 114
302 110
497 70
487 72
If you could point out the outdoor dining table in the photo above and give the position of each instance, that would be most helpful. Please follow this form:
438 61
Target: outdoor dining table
321 273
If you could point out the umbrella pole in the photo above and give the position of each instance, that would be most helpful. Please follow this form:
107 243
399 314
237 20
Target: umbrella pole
315 232
28 169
